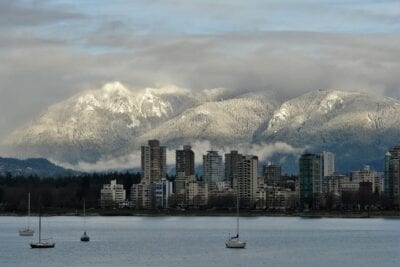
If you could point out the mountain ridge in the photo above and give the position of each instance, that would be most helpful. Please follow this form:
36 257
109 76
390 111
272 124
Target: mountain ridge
114 121
33 166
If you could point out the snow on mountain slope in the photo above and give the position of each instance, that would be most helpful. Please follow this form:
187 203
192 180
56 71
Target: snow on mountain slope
98 122
359 128
331 110
114 121
223 122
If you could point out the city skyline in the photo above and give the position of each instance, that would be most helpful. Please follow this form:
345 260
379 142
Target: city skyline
317 186
174 132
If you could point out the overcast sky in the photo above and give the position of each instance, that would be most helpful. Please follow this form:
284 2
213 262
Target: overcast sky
50 50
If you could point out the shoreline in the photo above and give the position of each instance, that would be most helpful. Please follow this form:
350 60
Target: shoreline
213 213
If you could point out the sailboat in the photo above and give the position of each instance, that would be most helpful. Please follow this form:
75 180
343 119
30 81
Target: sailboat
84 237
27 231
234 241
45 243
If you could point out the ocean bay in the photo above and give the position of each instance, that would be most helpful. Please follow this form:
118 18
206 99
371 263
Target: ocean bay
199 241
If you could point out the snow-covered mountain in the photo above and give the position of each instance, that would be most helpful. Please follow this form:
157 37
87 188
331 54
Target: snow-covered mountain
359 128
223 122
98 122
113 121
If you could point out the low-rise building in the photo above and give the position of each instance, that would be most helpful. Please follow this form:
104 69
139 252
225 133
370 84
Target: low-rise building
333 183
280 198
196 193
367 175
141 196
112 195
348 184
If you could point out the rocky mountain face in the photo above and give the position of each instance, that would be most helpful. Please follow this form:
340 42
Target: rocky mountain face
113 121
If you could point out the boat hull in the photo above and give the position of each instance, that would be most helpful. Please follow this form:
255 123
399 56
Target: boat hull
235 244
26 232
43 245
85 238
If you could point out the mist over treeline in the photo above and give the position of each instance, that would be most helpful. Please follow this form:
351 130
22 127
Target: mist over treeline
64 192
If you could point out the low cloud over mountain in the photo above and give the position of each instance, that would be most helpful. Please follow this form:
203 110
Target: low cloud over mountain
109 124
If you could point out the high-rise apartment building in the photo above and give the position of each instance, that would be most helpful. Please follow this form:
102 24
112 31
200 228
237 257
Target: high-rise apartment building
392 175
310 176
212 168
153 162
246 179
185 161
231 160
273 174
146 195
328 163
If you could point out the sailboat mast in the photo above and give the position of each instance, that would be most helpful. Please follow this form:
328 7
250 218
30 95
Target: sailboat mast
29 204
29 210
84 215
237 209
40 224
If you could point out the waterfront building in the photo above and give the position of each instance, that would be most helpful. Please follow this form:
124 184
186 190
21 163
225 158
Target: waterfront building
185 161
189 192
278 198
112 195
156 195
162 191
261 198
149 193
231 161
180 183
141 196
367 175
212 168
348 184
392 175
333 183
153 162
273 174
310 176
328 163
246 179
196 193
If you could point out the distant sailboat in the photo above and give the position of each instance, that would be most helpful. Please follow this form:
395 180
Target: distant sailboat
233 241
42 243
84 237
27 231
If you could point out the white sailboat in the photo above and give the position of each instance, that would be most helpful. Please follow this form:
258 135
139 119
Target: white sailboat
84 237
27 231
234 241
45 243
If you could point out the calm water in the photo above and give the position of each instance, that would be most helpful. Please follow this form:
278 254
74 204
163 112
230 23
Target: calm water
199 241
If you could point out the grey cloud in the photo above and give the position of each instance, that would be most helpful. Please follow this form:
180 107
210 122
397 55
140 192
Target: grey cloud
264 151
32 13
36 73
